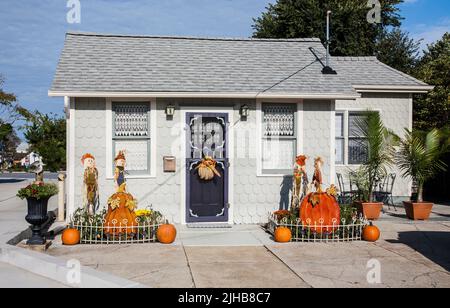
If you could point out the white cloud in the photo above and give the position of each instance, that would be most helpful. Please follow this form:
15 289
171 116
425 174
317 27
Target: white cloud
431 33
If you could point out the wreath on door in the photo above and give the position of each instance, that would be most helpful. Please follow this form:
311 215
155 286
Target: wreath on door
207 169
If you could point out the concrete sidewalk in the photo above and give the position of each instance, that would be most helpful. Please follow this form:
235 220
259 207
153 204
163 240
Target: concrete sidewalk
411 254
13 277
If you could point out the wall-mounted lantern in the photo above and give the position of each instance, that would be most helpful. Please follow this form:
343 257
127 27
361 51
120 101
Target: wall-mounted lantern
170 110
245 111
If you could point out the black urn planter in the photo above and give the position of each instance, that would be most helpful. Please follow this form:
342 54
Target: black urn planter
37 216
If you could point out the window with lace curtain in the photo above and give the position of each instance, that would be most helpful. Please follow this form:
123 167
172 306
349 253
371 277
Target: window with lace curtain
131 133
279 138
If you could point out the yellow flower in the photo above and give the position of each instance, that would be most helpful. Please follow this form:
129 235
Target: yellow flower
143 212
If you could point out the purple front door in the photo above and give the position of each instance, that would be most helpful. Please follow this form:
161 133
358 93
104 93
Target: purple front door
206 201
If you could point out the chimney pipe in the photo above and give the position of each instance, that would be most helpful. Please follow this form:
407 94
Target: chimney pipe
327 69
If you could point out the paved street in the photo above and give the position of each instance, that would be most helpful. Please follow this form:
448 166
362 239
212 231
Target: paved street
5 176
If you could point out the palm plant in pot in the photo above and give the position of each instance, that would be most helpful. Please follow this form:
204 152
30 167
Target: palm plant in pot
378 143
419 159
37 196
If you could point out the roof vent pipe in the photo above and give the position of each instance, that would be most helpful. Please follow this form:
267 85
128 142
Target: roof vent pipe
327 69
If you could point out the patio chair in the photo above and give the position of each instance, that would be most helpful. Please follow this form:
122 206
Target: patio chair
384 194
345 196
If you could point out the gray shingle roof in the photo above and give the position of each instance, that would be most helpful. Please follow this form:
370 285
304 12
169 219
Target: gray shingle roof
117 63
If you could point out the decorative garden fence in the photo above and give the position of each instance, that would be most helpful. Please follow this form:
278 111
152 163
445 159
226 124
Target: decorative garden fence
317 232
95 232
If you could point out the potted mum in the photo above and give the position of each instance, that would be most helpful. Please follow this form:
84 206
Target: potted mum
419 159
378 142
37 196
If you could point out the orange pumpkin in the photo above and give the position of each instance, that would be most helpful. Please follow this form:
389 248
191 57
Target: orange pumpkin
371 233
283 235
320 212
71 237
166 234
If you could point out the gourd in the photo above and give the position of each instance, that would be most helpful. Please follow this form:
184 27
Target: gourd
320 212
70 237
283 235
371 233
166 234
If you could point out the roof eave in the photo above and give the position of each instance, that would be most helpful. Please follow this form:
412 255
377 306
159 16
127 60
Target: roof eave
392 89
249 95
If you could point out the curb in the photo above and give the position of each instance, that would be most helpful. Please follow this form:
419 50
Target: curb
58 270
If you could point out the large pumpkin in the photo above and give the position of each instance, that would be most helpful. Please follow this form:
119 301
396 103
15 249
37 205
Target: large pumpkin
166 234
283 235
70 237
121 218
320 212
371 233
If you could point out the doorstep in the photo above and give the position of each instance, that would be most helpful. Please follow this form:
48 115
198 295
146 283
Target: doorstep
234 236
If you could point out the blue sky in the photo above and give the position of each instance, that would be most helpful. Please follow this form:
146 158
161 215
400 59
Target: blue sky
32 32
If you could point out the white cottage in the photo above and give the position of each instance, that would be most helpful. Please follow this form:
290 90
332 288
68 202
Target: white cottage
251 104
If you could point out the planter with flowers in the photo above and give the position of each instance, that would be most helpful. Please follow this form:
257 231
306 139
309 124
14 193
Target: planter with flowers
37 196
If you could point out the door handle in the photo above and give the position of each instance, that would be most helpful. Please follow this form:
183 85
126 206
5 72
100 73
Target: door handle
228 205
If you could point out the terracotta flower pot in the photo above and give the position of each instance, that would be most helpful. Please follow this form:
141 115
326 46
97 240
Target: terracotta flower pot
418 210
371 211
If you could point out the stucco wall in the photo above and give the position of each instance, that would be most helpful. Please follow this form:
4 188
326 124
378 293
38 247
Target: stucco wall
396 113
317 134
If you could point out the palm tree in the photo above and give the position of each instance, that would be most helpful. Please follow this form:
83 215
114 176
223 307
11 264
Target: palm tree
419 157
378 142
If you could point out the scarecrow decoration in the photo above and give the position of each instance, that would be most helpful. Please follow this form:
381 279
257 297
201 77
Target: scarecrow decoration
300 181
91 200
317 177
121 217
207 169
119 171
320 210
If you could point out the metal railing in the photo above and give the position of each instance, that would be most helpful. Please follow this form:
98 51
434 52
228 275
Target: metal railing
100 232
318 232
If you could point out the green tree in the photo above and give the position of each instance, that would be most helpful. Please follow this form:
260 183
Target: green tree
46 135
398 50
9 113
432 110
352 34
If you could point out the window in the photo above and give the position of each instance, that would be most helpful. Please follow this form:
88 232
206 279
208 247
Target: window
357 145
131 133
351 146
279 138
340 138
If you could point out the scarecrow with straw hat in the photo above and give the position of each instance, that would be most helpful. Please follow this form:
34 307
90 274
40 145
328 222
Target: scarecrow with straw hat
119 171
91 200
121 217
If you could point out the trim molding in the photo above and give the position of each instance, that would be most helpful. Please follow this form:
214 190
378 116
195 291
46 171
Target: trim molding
393 89
251 95
71 162
153 136
230 111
